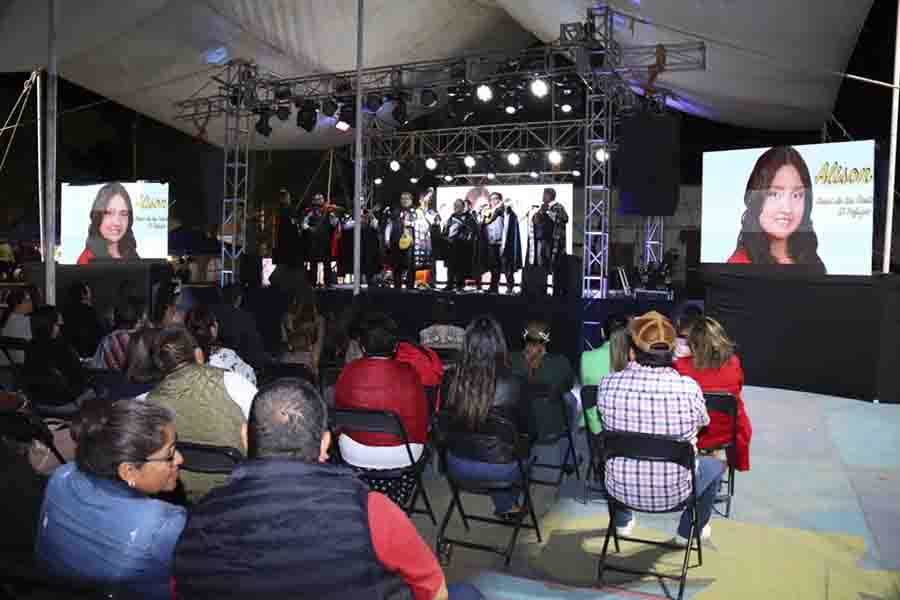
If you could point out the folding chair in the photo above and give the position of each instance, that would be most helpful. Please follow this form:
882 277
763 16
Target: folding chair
381 421
551 421
7 346
594 471
207 458
725 404
652 448
280 370
25 428
444 545
328 376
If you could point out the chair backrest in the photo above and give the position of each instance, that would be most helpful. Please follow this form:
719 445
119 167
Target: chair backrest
207 458
647 447
7 346
432 393
589 396
725 404
25 428
280 370
548 410
328 376
370 421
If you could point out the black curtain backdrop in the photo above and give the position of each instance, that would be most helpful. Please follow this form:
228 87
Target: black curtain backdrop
832 335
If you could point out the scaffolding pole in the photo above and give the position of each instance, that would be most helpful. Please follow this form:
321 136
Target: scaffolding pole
358 163
892 160
50 193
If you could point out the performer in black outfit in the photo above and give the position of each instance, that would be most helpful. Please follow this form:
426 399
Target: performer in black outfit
460 233
501 229
549 234
288 249
400 239
318 227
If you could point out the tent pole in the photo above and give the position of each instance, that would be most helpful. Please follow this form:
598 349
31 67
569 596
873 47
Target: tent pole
358 165
40 155
892 165
50 194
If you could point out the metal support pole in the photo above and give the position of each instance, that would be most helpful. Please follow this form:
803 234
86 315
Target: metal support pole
40 153
50 219
358 164
892 164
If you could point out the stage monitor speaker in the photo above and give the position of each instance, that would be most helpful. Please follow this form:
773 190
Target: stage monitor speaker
648 161
534 281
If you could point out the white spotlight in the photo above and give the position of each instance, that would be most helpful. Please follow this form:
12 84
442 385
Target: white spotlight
513 159
395 166
576 173
510 109
491 176
554 157
566 108
534 175
430 164
601 155
469 161
378 181
484 93
414 180
342 126
539 88
448 178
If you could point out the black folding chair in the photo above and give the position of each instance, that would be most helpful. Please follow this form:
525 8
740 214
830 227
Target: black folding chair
25 428
656 449
443 544
208 458
328 376
594 471
725 404
550 416
275 371
343 420
8 345
448 356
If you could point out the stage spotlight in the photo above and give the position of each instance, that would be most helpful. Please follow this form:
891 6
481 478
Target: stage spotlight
414 180
430 164
372 102
576 173
347 115
308 115
601 155
484 93
513 159
263 127
283 112
448 178
394 165
510 109
469 161
399 110
534 175
329 107
491 176
283 92
378 181
429 98
554 157
539 88
342 126
566 108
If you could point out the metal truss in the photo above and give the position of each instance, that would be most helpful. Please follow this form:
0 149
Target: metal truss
509 178
235 208
654 241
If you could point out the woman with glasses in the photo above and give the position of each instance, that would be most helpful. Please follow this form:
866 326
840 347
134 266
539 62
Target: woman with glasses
99 523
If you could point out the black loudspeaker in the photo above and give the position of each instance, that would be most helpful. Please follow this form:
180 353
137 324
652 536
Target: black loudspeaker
649 164
534 281
250 270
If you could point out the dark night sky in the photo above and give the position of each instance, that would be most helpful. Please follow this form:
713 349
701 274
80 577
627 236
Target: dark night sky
96 144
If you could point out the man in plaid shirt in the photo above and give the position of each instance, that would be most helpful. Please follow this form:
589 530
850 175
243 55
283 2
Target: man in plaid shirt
649 396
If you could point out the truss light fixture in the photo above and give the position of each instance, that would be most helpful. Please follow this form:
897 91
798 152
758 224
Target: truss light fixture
484 93
513 159
428 98
469 161
566 108
394 165
372 102
430 164
534 175
576 173
283 92
347 115
448 178
378 181
399 110
308 115
283 112
601 155
329 107
491 176
263 127
554 157
342 125
510 109
539 88
414 180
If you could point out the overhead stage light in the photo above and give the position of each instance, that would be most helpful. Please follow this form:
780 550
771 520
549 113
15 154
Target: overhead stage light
510 109
263 127
601 155
484 93
576 173
448 178
566 108
394 165
554 157
469 161
283 112
414 180
372 102
429 98
534 175
430 164
399 110
329 107
513 159
342 125
539 88
378 181
308 115
283 92
347 115
491 176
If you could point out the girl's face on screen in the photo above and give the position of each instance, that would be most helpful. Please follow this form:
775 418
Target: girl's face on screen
115 219
783 205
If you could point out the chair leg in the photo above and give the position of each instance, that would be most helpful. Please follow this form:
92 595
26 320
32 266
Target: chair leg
601 566
730 492
694 532
421 491
459 506
445 521
699 532
574 455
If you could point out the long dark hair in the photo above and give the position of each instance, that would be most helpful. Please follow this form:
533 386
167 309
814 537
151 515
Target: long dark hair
95 241
199 321
484 351
43 320
803 243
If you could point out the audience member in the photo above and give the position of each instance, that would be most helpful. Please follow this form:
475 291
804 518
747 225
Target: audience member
16 321
98 524
210 404
166 312
650 397
305 330
597 363
378 382
237 328
443 334
487 413
715 367
690 315
287 524
56 377
202 323
23 490
535 365
83 326
112 352
142 375
427 365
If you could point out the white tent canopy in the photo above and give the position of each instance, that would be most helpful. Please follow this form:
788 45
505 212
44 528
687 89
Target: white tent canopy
769 62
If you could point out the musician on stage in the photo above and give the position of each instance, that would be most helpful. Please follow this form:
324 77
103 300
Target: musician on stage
400 239
288 248
504 244
319 224
427 227
549 234
460 232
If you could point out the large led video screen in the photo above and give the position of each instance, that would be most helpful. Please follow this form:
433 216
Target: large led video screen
809 206
115 221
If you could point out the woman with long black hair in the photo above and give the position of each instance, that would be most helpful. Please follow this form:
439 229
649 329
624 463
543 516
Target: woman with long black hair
110 234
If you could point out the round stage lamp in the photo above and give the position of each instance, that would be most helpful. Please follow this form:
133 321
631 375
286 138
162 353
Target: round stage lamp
469 161
513 159
430 164
394 165
378 181
566 108
576 173
510 109
414 180
342 126
491 176
554 157
601 155
534 175
539 88
448 178
484 93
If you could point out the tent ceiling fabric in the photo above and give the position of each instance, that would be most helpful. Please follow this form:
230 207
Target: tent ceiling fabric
767 62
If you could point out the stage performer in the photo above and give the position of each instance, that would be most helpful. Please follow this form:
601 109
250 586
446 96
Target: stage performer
501 230
288 248
776 227
547 238
318 227
426 221
110 235
371 256
400 239
460 233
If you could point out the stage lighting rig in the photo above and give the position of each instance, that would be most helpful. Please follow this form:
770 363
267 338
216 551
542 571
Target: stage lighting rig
398 112
329 107
308 115
491 176
347 114
263 127
534 175
372 102
554 157
469 161
448 178
484 93
394 165
283 112
428 98
283 92
378 181
539 88
601 155
430 164
414 180
565 107
576 173
513 159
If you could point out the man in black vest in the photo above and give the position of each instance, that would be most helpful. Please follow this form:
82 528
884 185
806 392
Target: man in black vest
288 525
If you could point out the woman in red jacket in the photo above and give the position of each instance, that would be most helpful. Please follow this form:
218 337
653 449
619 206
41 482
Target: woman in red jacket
716 368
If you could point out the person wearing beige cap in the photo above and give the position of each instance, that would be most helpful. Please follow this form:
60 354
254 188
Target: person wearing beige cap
649 396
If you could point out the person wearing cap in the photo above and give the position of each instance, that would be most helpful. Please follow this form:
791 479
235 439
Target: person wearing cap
649 396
